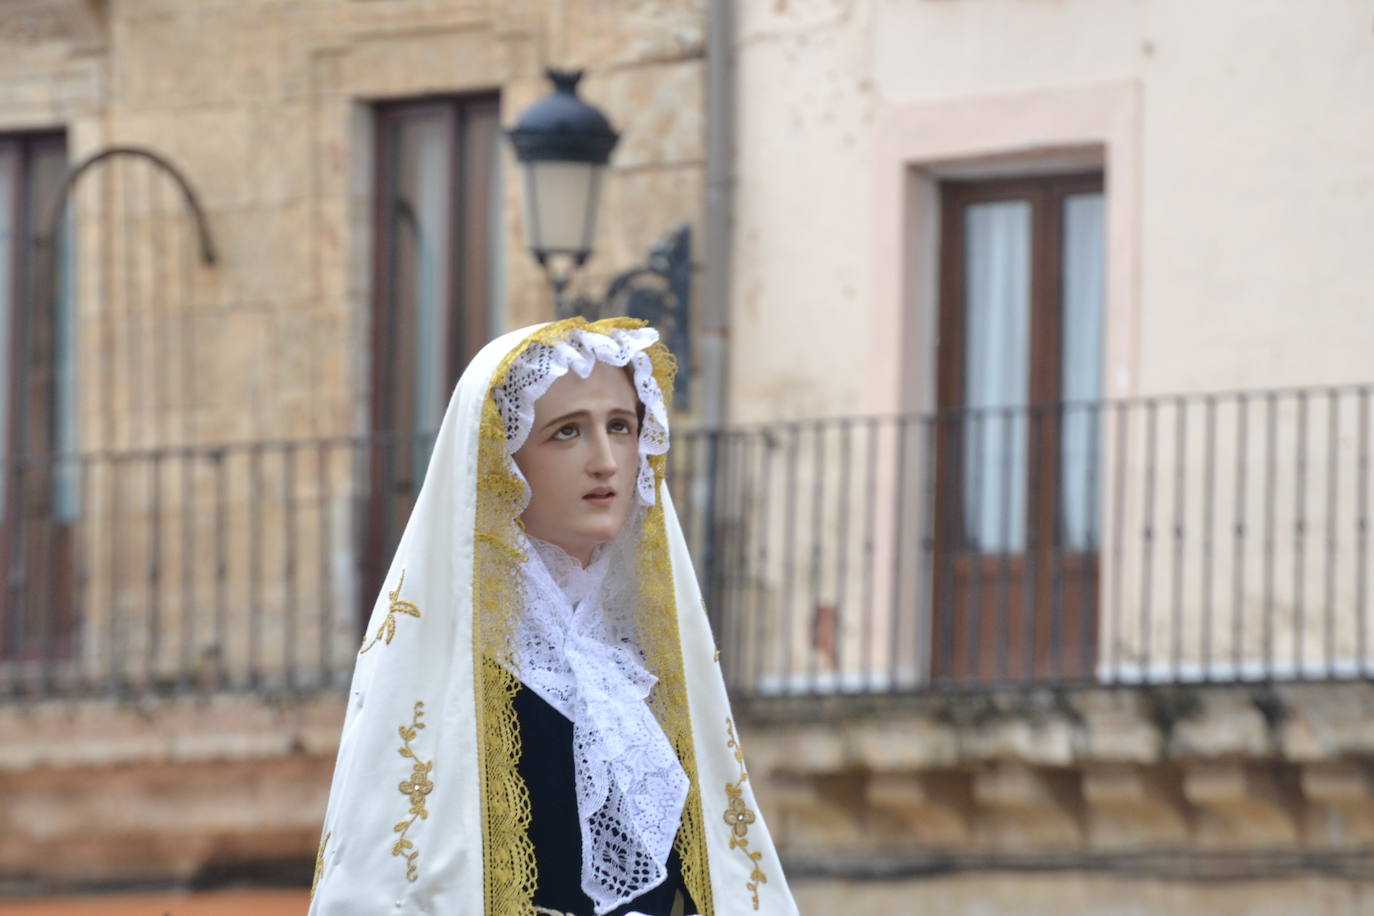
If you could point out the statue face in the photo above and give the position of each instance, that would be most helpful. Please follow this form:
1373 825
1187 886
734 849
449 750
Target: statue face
581 460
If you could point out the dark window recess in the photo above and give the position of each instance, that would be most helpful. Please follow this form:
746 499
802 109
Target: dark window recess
1020 364
38 502
436 282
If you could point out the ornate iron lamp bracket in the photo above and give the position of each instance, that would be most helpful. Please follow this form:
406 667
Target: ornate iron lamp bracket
658 292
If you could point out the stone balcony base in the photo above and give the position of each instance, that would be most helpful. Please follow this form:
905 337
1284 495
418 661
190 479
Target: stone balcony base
1180 782
1070 772
100 792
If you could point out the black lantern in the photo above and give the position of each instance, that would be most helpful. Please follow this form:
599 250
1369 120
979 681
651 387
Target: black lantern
562 145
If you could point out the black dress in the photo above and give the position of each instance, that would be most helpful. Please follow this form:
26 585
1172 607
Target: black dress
546 765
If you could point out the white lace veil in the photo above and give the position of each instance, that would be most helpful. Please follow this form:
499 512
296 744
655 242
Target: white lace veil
427 814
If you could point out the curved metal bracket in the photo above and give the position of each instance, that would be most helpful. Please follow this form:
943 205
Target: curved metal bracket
658 292
54 215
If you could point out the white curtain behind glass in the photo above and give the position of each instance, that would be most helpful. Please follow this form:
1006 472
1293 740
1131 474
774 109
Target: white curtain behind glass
67 493
997 349
1083 273
496 237
426 142
48 167
422 187
9 174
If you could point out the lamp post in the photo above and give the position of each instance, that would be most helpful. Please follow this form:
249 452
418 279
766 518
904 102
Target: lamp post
562 145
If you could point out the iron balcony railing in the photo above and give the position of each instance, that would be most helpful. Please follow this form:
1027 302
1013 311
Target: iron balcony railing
1212 537
198 569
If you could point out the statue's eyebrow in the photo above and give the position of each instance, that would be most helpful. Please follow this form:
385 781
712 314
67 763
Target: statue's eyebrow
575 415
585 414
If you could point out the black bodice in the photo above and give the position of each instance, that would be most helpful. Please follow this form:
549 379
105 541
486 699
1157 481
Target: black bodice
546 765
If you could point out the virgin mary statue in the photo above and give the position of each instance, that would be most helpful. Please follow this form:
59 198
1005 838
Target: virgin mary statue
537 722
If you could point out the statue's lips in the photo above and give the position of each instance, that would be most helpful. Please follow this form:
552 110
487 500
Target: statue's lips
601 496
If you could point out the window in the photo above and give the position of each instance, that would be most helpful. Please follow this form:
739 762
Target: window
1020 363
37 399
437 288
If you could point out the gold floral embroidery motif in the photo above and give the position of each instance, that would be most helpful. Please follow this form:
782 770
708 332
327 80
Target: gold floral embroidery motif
388 627
416 788
319 864
739 817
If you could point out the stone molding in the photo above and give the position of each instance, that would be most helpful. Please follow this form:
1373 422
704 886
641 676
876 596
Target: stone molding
1204 767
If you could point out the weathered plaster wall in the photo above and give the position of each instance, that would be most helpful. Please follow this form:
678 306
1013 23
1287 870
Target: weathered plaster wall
1237 181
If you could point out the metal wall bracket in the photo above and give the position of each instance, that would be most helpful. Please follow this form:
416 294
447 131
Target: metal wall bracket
659 292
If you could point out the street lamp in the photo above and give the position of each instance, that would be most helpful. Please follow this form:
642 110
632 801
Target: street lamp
562 145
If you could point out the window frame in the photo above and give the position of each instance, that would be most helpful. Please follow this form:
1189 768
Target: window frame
37 420
1033 577
469 121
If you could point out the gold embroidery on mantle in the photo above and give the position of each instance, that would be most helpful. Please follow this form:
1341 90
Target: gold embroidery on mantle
416 787
739 817
388 627
319 864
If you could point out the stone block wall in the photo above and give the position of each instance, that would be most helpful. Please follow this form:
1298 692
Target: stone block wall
264 107
117 793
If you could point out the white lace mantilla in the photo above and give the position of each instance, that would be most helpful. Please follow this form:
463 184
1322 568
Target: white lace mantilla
576 647
542 364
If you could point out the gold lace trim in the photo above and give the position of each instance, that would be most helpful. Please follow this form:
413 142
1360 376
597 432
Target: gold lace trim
738 817
416 788
509 872
662 644
388 627
319 864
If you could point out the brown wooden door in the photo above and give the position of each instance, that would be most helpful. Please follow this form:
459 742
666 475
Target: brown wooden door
1016 562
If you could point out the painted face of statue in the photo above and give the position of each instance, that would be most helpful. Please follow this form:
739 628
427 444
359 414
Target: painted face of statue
581 460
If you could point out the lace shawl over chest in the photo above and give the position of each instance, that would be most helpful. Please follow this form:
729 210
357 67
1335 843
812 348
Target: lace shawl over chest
577 649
